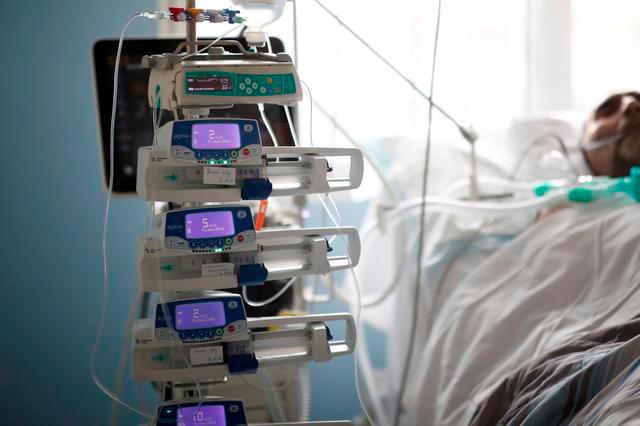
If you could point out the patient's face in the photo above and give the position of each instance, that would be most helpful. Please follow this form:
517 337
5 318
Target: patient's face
618 114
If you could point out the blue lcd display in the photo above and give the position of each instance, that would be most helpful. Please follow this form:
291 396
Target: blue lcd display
207 413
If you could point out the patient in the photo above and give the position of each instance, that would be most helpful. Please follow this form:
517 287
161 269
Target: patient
516 334
611 135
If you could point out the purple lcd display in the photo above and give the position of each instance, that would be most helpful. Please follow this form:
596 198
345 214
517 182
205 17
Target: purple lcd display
199 315
215 136
209 225
206 415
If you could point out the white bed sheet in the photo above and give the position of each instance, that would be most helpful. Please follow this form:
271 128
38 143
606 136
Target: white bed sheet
575 271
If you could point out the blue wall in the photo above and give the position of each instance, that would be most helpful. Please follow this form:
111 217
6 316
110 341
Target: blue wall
52 207
52 212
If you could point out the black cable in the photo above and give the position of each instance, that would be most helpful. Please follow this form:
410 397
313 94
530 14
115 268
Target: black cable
466 133
425 183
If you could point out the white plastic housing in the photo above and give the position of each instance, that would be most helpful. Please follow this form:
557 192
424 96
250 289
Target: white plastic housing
285 254
291 171
298 339
173 95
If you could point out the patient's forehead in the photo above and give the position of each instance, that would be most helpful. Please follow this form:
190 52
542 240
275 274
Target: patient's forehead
607 118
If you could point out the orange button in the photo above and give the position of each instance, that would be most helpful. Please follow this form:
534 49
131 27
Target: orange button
269 80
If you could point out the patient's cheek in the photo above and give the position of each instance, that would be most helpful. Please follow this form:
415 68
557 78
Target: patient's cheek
601 159
551 210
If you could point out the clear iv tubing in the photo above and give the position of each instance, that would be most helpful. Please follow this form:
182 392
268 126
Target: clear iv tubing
212 43
358 309
156 115
306 386
124 352
268 125
270 299
165 310
446 204
105 286
105 289
338 227
359 358
484 207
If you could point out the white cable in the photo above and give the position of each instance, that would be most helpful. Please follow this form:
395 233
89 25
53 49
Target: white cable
167 315
212 43
268 42
286 109
358 304
270 299
337 221
268 125
124 352
105 263
385 183
293 133
274 401
304 83
404 379
157 114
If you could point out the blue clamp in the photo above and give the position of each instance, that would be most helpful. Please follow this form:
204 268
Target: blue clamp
256 189
329 336
329 248
250 275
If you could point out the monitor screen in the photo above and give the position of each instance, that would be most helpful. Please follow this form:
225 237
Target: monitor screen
215 136
205 415
199 315
209 225
209 84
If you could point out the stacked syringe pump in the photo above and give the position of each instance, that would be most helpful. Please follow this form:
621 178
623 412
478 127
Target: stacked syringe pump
203 239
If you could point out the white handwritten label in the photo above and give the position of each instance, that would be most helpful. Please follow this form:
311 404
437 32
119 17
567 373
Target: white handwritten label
219 176
206 355
217 269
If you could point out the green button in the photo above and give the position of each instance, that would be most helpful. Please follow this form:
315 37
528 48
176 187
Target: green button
234 154
219 331
228 241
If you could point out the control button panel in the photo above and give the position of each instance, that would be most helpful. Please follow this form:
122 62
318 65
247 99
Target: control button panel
248 84
208 335
212 244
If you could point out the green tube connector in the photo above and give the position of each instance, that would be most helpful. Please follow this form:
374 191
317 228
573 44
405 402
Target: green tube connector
580 195
629 185
541 189
598 189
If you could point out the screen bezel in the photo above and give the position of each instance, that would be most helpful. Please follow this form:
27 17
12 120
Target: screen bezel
219 306
237 136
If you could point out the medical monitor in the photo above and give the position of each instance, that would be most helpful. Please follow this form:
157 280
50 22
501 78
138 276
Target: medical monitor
134 126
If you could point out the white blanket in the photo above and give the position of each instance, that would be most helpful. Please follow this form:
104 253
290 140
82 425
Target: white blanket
575 271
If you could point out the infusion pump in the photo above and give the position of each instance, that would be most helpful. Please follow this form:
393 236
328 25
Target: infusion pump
221 78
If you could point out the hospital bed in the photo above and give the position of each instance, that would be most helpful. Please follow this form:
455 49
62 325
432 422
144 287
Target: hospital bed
501 294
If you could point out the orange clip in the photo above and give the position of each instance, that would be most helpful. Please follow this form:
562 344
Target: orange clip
194 12
262 212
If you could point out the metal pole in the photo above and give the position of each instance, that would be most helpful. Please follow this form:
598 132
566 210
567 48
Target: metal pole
191 30
295 32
